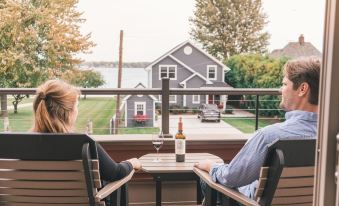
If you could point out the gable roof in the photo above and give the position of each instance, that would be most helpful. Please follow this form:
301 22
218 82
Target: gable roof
296 50
148 67
189 68
217 84
193 75
139 85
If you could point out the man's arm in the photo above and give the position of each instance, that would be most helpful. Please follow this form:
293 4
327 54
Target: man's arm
245 166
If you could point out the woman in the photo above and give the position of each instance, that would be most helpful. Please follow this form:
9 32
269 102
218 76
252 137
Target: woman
56 109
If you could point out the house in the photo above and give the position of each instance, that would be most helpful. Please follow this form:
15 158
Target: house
296 50
188 66
139 109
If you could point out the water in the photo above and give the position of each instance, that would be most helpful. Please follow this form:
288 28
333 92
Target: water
130 77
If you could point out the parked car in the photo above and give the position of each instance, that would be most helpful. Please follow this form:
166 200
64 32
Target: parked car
209 112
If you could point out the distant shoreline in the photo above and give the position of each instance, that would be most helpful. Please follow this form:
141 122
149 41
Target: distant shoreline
104 64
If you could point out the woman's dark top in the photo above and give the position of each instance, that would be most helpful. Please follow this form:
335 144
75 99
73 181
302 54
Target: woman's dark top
109 169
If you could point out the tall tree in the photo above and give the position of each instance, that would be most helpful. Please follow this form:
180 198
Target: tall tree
38 41
84 78
229 27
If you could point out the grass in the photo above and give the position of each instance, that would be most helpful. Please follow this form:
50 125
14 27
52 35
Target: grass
20 122
139 130
248 125
98 109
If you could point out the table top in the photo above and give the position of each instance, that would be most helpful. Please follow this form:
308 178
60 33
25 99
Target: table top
168 164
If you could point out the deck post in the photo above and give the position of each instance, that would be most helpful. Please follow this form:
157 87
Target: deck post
165 107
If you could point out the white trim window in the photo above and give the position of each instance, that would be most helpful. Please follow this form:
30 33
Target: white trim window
139 108
172 98
168 71
196 99
212 72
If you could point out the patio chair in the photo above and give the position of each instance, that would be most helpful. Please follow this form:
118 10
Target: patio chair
285 179
52 170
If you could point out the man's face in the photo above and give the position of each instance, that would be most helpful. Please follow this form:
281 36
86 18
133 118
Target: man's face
289 96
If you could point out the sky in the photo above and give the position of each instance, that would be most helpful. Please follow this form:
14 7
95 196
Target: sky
153 27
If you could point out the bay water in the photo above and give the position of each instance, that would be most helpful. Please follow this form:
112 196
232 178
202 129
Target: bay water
130 77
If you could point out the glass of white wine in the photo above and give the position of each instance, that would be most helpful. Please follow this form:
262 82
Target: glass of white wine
158 141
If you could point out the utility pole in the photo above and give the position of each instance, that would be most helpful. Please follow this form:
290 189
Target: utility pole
117 108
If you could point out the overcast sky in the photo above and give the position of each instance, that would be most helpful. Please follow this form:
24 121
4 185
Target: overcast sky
153 27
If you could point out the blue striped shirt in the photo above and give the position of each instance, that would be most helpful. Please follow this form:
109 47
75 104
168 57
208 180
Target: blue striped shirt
243 171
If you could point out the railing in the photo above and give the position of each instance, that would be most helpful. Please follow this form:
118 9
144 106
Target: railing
165 91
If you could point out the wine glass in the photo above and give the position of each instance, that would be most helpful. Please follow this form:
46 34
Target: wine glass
158 141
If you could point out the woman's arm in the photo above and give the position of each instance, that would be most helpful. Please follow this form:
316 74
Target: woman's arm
111 170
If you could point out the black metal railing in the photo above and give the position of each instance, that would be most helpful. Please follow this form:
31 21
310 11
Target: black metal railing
165 92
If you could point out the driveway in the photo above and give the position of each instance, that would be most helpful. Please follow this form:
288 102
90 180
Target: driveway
193 125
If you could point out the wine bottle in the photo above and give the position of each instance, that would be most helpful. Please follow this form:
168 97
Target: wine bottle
180 143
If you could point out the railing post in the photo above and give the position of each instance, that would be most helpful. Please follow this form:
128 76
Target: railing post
3 108
257 112
165 107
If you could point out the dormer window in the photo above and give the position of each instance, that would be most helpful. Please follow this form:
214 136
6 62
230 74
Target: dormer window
212 72
168 71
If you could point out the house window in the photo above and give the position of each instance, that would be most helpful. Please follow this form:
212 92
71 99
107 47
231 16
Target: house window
172 98
212 72
140 108
168 71
196 99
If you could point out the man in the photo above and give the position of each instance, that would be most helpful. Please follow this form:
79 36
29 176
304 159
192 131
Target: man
299 93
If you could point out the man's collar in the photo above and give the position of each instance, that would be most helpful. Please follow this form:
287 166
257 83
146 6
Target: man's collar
300 114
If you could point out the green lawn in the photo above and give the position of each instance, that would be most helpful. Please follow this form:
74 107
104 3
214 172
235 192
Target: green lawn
248 125
139 130
19 122
98 109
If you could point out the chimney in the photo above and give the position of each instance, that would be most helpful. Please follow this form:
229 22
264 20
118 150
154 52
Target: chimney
301 39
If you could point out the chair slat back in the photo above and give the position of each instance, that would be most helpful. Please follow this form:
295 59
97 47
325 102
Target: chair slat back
45 182
287 177
54 179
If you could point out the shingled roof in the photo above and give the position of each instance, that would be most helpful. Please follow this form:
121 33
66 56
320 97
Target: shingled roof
295 50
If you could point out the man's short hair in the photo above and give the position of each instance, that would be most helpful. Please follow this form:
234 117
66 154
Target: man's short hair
305 70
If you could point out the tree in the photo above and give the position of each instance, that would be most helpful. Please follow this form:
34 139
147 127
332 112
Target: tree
38 41
229 27
256 71
84 78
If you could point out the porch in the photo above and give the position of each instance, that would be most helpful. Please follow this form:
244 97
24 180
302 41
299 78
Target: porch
121 147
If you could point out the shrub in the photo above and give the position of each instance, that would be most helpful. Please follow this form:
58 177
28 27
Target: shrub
175 109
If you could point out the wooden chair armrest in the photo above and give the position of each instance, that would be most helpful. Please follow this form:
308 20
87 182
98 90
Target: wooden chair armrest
112 186
235 195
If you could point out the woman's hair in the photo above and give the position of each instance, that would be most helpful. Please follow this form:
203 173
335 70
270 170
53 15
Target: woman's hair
305 70
53 107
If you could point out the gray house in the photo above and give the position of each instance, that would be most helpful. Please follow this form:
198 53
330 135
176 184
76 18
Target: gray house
139 109
188 66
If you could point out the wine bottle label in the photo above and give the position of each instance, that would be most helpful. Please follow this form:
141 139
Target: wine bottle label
180 146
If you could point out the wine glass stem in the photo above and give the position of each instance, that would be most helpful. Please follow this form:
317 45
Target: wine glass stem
157 154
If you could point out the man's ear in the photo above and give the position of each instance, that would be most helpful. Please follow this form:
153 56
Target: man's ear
303 89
